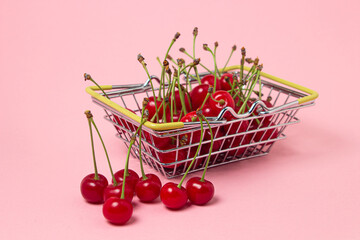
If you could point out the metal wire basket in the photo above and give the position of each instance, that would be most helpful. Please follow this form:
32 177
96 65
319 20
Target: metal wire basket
125 101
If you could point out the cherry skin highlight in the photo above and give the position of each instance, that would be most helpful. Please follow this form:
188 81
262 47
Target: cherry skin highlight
152 109
117 211
199 192
172 196
154 178
93 190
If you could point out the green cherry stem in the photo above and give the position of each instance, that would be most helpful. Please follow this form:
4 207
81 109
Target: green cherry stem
141 60
88 77
210 150
106 153
206 48
196 154
140 132
88 116
127 167
187 54
233 49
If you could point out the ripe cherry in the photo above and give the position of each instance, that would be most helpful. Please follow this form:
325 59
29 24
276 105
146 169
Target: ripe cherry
171 157
199 192
217 143
131 179
209 80
225 79
221 99
115 191
236 142
176 116
207 111
196 135
154 178
147 190
266 134
117 211
159 142
178 101
198 95
172 196
152 109
122 122
92 190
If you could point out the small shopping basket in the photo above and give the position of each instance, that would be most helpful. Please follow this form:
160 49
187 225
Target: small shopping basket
124 107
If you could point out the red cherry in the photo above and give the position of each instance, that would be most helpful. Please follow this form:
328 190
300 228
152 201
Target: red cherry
217 143
170 157
209 80
225 97
199 192
236 127
117 211
152 109
154 178
196 135
178 101
93 190
267 118
159 142
115 191
176 116
198 95
122 122
238 141
207 111
224 84
266 134
172 196
131 179
147 190
239 102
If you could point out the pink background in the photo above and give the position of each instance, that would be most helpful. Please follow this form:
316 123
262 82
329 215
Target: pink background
307 188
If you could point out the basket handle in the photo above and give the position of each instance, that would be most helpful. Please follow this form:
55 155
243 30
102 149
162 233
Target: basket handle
313 94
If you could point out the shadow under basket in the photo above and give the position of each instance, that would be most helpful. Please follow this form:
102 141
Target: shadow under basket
249 135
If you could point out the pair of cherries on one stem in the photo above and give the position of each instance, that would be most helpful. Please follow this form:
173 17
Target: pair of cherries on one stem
198 190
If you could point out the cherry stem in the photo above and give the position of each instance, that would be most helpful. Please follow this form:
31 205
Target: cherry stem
215 67
92 80
152 88
106 153
210 150
206 98
140 157
197 75
93 150
248 96
196 154
126 167
182 100
227 62
187 54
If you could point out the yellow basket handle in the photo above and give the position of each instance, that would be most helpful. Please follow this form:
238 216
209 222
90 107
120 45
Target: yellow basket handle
313 94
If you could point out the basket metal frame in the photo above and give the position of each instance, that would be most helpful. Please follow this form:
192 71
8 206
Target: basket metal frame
286 106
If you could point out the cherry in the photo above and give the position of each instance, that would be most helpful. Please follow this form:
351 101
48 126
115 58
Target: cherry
178 101
147 190
92 190
122 122
266 134
224 84
267 118
117 211
207 111
172 196
154 178
152 109
236 127
222 99
217 143
229 143
198 95
131 179
170 157
209 80
199 192
176 116
115 191
239 103
159 142
190 117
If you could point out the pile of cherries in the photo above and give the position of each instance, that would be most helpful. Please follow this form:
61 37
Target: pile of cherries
174 102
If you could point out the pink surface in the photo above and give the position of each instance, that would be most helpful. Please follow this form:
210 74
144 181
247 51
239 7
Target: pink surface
307 188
